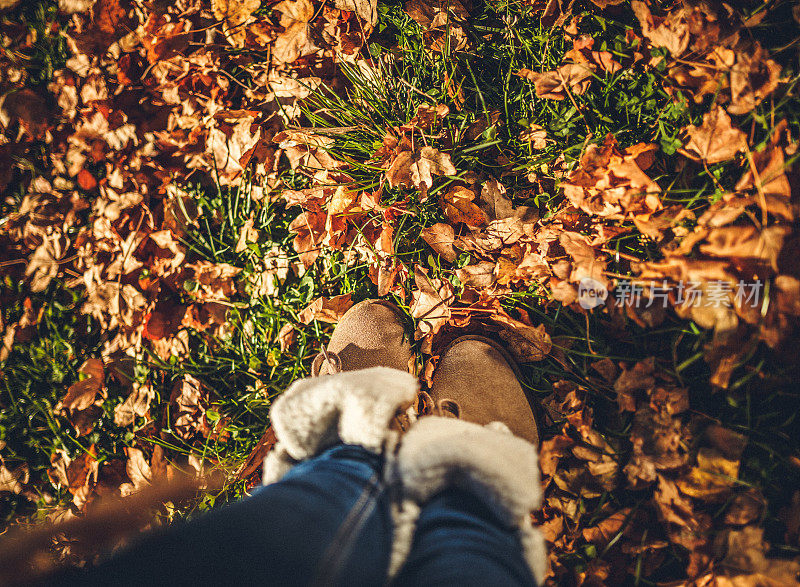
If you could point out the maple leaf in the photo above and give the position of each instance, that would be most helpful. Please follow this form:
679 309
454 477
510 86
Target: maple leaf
715 140
670 32
416 170
294 41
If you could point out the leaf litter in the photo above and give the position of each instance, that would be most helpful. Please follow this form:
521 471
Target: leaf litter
154 106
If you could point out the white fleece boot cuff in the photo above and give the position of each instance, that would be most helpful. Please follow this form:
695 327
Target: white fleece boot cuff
354 407
497 467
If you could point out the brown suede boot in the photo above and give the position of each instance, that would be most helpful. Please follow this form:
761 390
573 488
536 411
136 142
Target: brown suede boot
477 381
370 334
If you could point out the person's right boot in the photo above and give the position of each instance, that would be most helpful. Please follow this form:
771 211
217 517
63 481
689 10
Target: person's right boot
477 381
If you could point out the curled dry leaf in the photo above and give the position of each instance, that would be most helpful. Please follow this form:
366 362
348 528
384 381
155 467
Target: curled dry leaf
189 398
572 78
527 343
535 135
326 309
286 337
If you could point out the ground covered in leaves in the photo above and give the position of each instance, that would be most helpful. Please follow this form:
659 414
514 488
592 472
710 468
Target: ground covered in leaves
194 191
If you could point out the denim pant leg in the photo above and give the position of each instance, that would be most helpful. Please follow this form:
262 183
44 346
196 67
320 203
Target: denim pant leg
459 542
327 522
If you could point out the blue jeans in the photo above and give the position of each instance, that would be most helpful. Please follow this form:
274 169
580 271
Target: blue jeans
327 522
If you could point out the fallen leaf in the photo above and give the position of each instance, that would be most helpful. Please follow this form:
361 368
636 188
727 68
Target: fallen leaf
326 309
13 481
136 404
189 401
235 14
715 140
83 392
286 337
478 276
431 302
458 206
572 78
138 470
441 237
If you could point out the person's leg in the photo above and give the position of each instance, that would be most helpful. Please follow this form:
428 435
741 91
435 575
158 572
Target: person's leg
458 541
327 522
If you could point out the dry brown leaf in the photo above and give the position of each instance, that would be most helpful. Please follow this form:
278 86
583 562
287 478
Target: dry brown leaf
235 15
429 163
13 481
527 343
535 135
670 32
715 140
431 302
494 201
367 10
215 280
441 237
712 478
286 337
572 78
247 234
478 276
326 309
605 531
136 404
294 42
458 206
138 470
189 399
310 229
83 393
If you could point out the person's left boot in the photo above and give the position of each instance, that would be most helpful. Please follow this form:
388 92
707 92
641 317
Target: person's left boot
370 334
360 386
